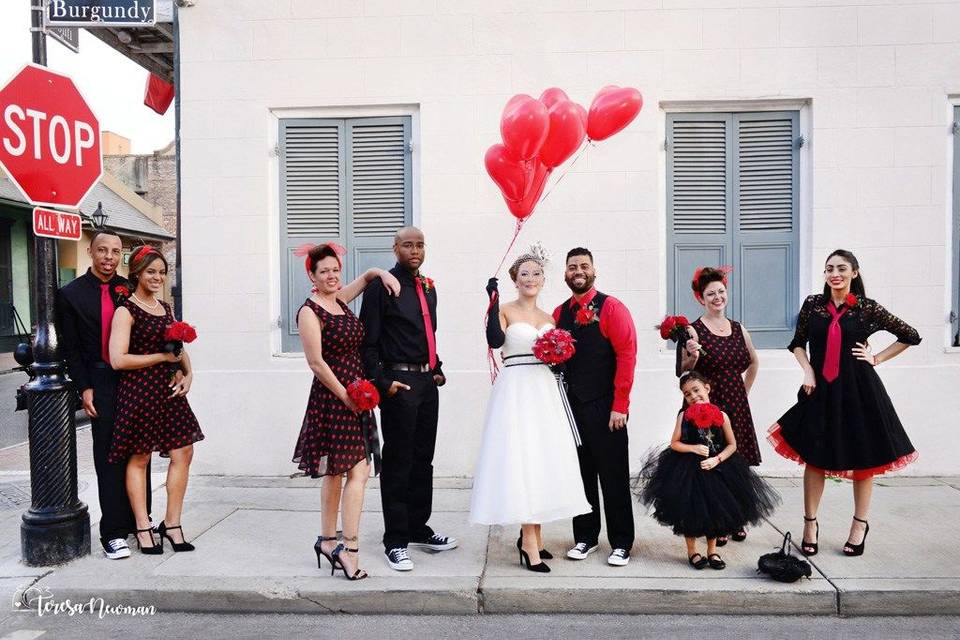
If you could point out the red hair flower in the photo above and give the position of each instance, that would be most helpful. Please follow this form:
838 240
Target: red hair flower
704 415
121 291
180 332
363 394
554 347
851 300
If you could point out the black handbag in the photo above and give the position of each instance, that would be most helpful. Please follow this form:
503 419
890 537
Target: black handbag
783 567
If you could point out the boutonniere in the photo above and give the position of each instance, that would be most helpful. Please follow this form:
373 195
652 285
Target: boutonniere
587 315
426 283
851 300
121 291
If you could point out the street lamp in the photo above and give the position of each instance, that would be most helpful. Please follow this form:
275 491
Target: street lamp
99 217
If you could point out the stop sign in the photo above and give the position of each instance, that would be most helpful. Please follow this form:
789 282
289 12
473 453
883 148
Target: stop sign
49 138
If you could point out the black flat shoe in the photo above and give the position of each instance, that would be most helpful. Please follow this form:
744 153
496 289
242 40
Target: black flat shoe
739 536
697 564
721 541
162 529
716 562
810 548
851 549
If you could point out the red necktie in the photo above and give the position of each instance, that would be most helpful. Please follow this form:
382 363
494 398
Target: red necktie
831 363
106 317
427 324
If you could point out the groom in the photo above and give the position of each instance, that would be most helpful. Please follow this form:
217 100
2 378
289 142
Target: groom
599 377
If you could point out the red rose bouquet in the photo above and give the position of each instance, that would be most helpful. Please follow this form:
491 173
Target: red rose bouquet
554 347
704 415
363 394
176 335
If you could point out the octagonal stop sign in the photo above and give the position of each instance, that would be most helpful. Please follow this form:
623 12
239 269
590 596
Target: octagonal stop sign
49 138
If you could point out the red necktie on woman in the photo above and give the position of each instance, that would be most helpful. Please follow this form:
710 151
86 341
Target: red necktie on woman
427 324
831 363
106 317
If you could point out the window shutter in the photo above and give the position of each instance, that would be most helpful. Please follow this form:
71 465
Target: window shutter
764 287
698 201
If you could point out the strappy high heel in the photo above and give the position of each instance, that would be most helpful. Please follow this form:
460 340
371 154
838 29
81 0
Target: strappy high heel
359 574
810 548
162 530
323 554
540 567
857 549
154 549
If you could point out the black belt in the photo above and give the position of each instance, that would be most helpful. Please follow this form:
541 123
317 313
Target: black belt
406 366
521 364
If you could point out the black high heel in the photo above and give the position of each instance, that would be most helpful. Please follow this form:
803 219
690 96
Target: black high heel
544 554
162 529
323 554
154 549
857 549
810 548
359 574
540 567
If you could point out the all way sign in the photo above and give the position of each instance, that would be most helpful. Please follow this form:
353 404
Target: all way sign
56 224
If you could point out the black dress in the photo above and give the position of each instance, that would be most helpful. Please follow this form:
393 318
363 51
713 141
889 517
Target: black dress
723 363
847 427
696 502
333 439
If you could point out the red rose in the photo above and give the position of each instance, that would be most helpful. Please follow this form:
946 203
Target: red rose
666 327
585 316
554 347
851 300
704 415
121 291
363 394
681 321
180 332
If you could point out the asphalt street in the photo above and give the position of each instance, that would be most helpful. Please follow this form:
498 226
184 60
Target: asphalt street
13 424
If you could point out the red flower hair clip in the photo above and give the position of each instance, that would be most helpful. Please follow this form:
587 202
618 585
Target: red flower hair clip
305 249
723 269
144 251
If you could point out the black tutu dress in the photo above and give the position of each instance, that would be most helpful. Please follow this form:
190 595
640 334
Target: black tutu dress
847 427
696 502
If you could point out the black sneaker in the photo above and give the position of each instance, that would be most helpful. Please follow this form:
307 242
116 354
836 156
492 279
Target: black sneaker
436 543
115 548
398 559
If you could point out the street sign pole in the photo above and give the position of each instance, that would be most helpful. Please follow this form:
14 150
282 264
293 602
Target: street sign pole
56 528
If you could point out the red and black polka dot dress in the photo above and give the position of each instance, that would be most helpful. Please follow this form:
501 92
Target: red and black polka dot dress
724 362
147 418
331 439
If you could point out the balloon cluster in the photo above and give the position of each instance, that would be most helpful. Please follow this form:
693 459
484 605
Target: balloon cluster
540 135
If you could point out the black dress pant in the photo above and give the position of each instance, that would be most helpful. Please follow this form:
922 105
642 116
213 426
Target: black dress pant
604 458
409 427
116 520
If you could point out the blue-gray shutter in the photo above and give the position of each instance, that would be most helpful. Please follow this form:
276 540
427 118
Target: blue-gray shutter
732 200
764 285
341 180
955 312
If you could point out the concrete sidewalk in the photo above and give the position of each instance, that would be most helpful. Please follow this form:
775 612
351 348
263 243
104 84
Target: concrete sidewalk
255 538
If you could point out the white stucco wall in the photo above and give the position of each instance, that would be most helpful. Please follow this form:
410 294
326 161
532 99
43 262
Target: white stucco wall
874 85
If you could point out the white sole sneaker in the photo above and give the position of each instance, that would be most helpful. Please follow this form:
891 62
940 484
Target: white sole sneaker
617 561
403 565
573 554
117 554
453 544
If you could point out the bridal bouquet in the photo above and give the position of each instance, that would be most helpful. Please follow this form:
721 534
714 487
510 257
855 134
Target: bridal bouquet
363 394
174 336
554 347
704 415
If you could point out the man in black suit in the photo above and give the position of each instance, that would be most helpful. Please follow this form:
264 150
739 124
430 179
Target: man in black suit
84 314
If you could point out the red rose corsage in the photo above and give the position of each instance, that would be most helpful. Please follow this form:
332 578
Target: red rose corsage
121 291
851 300
554 347
704 415
363 394
586 315
426 283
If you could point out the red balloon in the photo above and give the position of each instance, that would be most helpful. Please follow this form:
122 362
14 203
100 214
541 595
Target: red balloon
524 126
565 136
525 206
583 114
552 96
511 175
612 109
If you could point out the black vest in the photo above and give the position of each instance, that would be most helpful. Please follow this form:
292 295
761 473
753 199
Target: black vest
590 372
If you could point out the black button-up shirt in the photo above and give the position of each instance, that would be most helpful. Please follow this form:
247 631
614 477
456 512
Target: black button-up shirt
78 324
394 328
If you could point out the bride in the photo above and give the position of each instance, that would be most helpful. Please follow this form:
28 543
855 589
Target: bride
527 471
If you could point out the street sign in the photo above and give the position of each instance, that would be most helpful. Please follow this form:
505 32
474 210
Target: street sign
100 13
49 138
57 224
67 36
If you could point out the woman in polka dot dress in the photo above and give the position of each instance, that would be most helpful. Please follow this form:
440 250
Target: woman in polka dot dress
152 409
332 440
728 360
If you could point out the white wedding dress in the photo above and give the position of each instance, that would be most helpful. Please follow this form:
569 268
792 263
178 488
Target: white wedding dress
527 470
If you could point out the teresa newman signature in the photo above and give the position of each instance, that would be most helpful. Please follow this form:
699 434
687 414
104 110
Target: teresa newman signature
40 600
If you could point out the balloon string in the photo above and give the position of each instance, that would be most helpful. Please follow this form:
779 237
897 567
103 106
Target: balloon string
580 153
513 240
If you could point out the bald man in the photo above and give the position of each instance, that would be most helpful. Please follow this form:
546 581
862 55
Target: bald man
400 356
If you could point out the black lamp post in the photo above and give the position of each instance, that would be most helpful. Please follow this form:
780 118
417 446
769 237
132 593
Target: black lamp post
99 217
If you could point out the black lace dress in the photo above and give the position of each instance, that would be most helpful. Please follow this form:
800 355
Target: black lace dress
695 502
847 427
